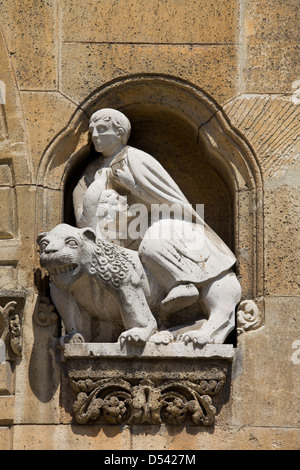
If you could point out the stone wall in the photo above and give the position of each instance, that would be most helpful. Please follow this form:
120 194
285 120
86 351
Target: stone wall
58 60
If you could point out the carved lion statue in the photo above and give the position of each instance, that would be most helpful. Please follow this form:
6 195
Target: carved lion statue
104 294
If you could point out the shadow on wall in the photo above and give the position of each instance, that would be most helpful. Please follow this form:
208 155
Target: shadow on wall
44 370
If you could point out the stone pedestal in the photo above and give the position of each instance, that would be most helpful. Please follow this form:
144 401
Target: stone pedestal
172 384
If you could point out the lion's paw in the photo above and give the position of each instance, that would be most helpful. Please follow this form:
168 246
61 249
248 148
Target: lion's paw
196 337
71 338
135 336
162 337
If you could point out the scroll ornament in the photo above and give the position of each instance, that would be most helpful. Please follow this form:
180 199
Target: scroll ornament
45 315
174 402
10 327
248 316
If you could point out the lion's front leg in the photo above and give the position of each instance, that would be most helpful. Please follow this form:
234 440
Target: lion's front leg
67 308
137 317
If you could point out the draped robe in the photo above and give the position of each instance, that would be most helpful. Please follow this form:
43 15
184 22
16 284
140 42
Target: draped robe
172 260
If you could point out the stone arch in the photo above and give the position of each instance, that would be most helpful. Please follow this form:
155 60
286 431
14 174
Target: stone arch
146 100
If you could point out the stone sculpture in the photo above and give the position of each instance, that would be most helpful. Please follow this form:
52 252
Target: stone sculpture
132 282
102 279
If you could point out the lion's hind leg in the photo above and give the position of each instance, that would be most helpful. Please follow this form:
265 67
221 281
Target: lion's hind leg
220 297
68 310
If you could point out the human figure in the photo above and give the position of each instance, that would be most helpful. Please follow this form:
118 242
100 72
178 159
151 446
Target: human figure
180 262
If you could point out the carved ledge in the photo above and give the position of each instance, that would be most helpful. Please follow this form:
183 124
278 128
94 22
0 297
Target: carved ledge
171 384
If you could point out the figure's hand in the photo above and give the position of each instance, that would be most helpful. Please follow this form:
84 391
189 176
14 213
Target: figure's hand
125 178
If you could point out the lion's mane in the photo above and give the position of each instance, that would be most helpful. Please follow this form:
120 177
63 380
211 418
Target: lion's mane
110 262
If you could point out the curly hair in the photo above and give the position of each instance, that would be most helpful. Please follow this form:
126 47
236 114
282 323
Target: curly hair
110 262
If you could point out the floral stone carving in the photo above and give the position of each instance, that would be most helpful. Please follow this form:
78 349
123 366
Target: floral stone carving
11 325
249 316
150 386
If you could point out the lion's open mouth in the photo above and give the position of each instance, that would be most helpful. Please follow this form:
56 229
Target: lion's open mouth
54 270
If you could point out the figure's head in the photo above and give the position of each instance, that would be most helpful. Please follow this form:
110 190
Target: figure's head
110 130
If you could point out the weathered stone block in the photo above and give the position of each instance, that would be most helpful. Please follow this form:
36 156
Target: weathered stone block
281 238
233 438
87 66
47 113
8 212
31 40
7 406
6 379
75 437
150 21
6 438
8 275
270 29
271 74
265 370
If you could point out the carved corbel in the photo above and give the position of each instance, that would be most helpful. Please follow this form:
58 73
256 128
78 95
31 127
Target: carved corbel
10 329
171 402
110 389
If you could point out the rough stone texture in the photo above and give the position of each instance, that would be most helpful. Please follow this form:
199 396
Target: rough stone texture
31 34
266 394
42 110
53 55
7 409
62 437
91 65
147 37
6 441
150 21
6 382
229 438
271 45
276 142
282 217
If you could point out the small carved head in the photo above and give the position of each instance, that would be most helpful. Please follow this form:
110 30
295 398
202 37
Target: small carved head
109 128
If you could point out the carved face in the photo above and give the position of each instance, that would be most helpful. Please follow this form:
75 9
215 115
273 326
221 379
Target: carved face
104 136
65 253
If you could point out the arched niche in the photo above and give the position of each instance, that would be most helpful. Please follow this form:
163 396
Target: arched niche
188 132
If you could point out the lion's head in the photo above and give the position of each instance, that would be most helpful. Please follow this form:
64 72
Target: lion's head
66 253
